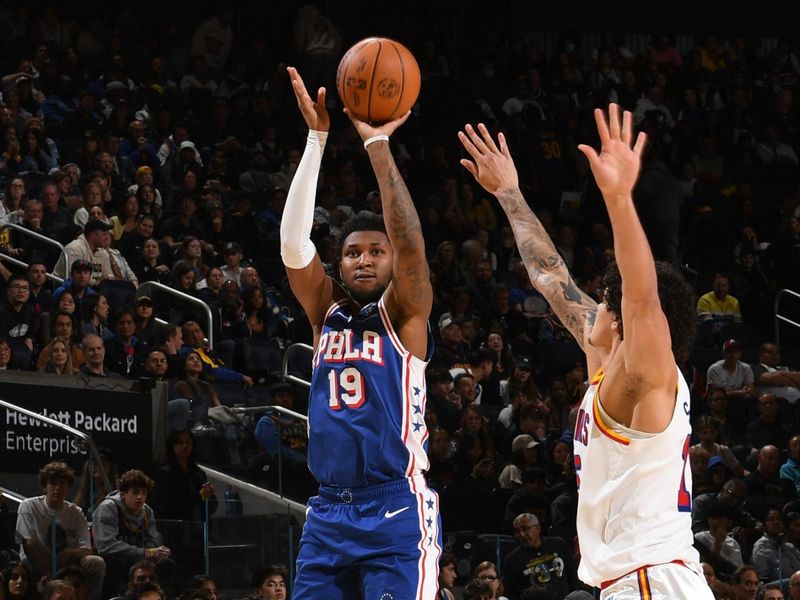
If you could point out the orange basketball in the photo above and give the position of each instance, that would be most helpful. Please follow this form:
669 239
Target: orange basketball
378 80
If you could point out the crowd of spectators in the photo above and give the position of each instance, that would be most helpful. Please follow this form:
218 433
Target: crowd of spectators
167 159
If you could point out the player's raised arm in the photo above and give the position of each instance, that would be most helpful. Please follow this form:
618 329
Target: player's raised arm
645 329
411 294
312 287
493 167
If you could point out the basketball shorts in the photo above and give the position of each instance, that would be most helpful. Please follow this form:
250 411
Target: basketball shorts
381 542
660 582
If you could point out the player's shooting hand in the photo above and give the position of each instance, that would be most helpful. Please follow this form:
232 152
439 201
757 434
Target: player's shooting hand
616 168
367 131
314 113
491 164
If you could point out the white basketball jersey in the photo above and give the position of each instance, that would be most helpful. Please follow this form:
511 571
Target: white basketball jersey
635 491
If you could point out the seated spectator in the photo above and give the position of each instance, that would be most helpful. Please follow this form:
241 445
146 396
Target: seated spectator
281 434
441 471
770 377
768 428
232 268
194 338
772 151
74 576
58 589
442 400
718 305
447 577
773 557
477 590
184 224
765 480
707 430
146 325
520 379
473 422
745 579
77 285
49 525
524 455
209 288
486 573
6 356
716 545
95 352
88 247
529 498
189 385
17 582
270 582
19 323
63 327
120 269
125 353
555 568
150 265
206 584
450 352
790 470
717 401
141 574
146 591
464 387
41 293
94 314
125 531
59 360
730 373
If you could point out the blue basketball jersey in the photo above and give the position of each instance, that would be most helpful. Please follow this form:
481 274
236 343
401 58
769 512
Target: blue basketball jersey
366 413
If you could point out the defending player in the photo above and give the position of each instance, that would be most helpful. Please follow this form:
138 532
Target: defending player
373 530
632 432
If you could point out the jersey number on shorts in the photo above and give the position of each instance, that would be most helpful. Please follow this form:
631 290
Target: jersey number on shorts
684 497
346 386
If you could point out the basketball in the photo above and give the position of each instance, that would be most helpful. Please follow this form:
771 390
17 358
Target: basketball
378 80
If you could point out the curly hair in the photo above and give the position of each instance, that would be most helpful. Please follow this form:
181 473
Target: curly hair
135 479
677 301
358 223
56 471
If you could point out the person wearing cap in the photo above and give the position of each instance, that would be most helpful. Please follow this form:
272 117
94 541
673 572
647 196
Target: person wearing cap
537 560
524 455
78 282
146 325
730 373
232 270
89 247
450 352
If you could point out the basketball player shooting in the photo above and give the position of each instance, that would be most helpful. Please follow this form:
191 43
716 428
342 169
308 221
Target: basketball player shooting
633 430
373 530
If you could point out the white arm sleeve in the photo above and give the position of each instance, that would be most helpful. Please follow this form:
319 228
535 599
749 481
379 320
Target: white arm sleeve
297 249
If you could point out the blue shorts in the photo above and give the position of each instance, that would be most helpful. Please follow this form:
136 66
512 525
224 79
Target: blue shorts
381 542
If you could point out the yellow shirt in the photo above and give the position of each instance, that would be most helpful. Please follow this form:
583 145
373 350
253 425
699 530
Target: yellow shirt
708 307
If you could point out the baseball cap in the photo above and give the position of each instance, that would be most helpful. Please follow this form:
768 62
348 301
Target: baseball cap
523 441
524 362
96 225
232 247
144 300
716 461
446 320
81 265
143 169
731 345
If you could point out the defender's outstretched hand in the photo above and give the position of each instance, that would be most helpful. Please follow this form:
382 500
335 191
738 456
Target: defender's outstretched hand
617 166
492 166
315 113
367 131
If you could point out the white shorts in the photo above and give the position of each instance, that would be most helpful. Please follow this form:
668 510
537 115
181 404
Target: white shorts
671 581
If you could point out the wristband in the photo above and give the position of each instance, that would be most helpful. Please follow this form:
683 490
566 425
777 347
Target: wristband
376 138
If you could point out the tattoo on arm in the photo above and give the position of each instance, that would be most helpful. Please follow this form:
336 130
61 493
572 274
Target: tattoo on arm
546 268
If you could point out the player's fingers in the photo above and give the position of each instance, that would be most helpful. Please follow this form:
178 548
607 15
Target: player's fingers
487 137
476 139
602 127
590 154
613 121
501 138
321 96
468 145
469 166
627 127
641 141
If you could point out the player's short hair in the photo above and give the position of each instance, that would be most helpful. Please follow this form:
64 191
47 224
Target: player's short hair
358 223
135 479
677 302
56 471
261 575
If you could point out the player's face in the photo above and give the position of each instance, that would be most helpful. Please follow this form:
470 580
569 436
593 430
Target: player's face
366 267
604 330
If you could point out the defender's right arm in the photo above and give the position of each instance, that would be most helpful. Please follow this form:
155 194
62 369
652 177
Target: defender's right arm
307 277
493 168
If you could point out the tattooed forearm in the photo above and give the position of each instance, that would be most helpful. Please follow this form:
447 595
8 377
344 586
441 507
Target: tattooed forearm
546 268
402 222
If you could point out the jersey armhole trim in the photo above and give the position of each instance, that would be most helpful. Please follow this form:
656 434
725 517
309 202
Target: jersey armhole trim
598 417
395 339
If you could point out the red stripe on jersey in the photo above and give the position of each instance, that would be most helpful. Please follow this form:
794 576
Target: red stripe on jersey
598 419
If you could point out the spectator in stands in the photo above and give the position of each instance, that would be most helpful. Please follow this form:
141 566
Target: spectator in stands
773 557
131 243
95 353
770 376
233 258
58 589
77 285
450 351
529 498
88 247
447 577
706 428
486 573
442 400
730 373
765 481
56 220
63 327
74 576
442 470
746 580
142 573
538 560
19 323
188 385
476 590
17 582
767 428
280 434
125 353
147 591
204 583
125 531
150 265
718 305
717 400
169 339
49 524
716 545
524 455
146 324
184 224
94 314
60 360
520 379
790 470
120 269
794 586
6 356
41 296
194 338
270 582
464 386
92 492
